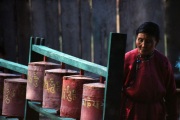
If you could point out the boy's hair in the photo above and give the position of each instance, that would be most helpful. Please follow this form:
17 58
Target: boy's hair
149 28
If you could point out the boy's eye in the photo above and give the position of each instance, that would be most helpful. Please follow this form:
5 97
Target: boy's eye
140 40
148 41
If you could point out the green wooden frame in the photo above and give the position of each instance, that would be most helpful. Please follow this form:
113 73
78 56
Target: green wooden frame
113 74
13 66
71 60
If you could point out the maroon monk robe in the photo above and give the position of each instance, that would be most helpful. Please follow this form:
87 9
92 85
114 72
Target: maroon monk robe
149 90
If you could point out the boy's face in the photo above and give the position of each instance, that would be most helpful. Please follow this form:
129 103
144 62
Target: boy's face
145 43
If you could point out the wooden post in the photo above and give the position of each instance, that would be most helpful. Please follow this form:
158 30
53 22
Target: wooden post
33 56
24 76
63 65
101 79
115 67
30 114
81 72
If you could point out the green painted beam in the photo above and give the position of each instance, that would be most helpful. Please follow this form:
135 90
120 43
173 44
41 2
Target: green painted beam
47 112
71 60
2 118
6 118
14 66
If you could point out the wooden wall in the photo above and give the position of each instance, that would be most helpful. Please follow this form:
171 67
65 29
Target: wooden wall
77 27
81 27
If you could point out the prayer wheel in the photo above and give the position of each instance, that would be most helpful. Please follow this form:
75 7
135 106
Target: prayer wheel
14 97
92 101
52 89
2 77
35 79
72 95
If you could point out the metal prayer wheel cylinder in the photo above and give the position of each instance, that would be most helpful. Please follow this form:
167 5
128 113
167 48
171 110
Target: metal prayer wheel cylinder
92 101
35 79
71 99
52 89
2 77
14 97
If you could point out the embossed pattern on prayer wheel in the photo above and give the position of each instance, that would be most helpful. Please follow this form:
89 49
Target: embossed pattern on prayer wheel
52 89
92 101
14 97
72 95
2 77
35 79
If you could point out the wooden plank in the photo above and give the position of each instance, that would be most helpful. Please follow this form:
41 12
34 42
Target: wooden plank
38 18
71 60
172 32
52 24
70 27
110 20
114 77
104 22
86 30
14 66
98 24
23 30
178 102
50 113
8 29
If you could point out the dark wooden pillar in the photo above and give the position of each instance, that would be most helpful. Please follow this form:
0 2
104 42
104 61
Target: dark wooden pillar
115 67
172 23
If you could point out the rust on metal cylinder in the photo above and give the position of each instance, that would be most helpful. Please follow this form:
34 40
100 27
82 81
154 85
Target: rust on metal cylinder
72 95
2 77
35 79
92 101
53 87
14 97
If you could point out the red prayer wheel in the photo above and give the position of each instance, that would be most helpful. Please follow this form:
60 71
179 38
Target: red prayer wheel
92 101
72 95
35 80
14 97
2 77
52 89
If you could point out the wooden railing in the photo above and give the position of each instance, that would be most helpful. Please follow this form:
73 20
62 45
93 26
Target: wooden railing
112 73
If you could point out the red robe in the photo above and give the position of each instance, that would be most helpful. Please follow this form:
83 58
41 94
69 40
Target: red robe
149 90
